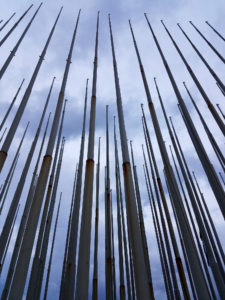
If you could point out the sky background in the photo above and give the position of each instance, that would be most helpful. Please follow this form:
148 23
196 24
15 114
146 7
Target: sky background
132 90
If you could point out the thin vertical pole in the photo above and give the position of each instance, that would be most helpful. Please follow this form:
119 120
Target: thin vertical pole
207 41
6 22
86 216
19 279
52 248
220 111
215 30
140 268
3 134
95 271
113 252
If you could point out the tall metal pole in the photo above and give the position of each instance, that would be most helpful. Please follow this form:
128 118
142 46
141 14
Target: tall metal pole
207 41
220 111
19 189
95 271
215 30
209 170
52 248
3 134
6 22
113 248
187 236
21 270
82 286
140 268
13 51
211 108
141 221
23 220
19 113
11 105
108 228
68 284
218 80
14 26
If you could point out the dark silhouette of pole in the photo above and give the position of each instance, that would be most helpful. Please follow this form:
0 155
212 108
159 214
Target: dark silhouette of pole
140 268
3 134
11 105
86 216
222 178
95 271
13 51
218 80
21 270
220 111
6 22
14 26
203 157
51 251
113 250
207 41
19 113
215 30
199 86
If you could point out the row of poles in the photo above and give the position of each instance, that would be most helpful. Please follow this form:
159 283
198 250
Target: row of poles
190 251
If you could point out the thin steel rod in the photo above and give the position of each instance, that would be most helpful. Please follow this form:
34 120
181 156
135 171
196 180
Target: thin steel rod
208 42
220 111
141 221
3 134
82 286
95 271
113 252
11 105
13 51
68 284
140 268
215 30
218 80
23 103
14 26
51 251
222 178
209 170
161 241
209 104
19 279
23 221
6 22
214 144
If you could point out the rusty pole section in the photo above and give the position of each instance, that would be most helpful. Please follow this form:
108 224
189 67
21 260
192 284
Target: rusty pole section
197 237
199 86
130 289
140 268
213 28
14 26
86 216
51 251
160 243
108 228
209 170
119 226
16 198
207 41
6 22
23 220
141 221
13 51
214 144
19 113
218 80
21 270
95 271
68 283
11 105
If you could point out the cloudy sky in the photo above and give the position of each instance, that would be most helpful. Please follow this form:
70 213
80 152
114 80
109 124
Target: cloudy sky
132 90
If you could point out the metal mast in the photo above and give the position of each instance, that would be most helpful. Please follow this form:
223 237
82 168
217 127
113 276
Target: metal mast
21 270
86 216
6 22
209 170
215 30
11 105
95 272
14 26
68 283
210 45
13 51
140 268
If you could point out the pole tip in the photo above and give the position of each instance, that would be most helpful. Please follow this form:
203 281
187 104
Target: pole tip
178 24
183 82
190 22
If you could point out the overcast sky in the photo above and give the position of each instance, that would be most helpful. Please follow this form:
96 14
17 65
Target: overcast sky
132 90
